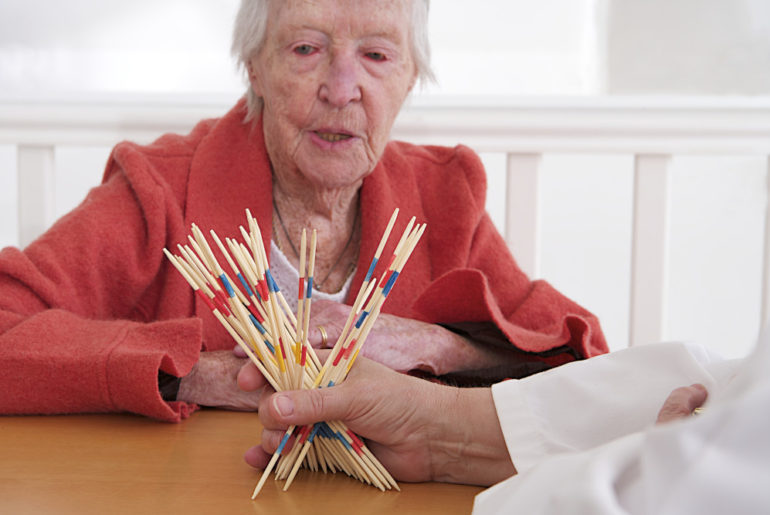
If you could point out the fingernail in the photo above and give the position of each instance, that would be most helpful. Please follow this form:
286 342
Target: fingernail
283 405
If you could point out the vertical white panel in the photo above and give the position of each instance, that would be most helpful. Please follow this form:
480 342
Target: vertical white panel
36 191
9 227
78 169
716 242
649 249
495 166
522 224
765 314
586 204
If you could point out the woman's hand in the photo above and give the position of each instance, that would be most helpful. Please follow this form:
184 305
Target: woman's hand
212 382
404 344
420 431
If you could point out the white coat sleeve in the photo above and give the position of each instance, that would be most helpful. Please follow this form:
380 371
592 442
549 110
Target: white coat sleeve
586 403
714 463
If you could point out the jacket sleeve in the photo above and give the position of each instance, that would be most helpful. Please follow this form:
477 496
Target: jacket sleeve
486 285
76 306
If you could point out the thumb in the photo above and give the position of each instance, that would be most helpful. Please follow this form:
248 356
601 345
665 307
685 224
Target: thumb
301 407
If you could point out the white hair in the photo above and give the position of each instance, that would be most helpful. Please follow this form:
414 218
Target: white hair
251 25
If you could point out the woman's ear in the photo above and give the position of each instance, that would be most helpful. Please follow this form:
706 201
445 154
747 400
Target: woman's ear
253 78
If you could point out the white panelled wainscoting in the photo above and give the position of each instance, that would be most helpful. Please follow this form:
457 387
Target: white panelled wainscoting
651 212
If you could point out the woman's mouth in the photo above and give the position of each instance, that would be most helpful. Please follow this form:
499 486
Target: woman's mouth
332 137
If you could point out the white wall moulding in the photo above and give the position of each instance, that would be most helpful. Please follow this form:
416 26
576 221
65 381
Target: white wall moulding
650 125
657 125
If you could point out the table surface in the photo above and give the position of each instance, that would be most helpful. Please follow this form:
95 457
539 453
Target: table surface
129 464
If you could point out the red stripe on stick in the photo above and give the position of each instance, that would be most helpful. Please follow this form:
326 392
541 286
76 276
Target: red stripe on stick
392 259
357 443
253 311
349 348
206 299
338 358
221 283
303 434
263 291
221 296
221 306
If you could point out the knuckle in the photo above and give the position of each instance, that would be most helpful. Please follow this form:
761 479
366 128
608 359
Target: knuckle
317 402
267 420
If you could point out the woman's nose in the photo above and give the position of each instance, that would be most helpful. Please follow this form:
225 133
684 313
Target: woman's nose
341 85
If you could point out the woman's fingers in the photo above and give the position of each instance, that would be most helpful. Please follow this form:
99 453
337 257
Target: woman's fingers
331 317
257 457
249 378
271 439
210 383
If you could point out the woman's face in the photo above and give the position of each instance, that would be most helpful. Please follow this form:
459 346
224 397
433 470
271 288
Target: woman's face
333 75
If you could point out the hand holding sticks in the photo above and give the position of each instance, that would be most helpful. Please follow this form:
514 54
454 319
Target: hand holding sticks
257 317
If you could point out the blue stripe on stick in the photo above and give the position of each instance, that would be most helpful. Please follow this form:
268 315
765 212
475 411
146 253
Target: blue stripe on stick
371 270
245 285
309 292
283 443
326 431
228 287
257 324
390 283
271 282
361 319
344 441
313 433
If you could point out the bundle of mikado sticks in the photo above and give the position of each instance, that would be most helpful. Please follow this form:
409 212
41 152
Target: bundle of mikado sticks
260 321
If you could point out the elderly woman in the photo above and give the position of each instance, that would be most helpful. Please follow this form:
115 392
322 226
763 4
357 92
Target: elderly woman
94 319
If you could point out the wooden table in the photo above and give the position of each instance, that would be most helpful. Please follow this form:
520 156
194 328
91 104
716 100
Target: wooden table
128 464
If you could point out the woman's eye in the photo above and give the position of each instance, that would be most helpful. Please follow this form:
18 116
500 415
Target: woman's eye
303 49
376 56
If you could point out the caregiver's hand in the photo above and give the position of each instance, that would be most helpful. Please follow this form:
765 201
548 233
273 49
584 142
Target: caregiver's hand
419 430
682 402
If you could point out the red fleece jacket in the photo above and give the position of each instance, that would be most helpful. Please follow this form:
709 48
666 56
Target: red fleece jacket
91 310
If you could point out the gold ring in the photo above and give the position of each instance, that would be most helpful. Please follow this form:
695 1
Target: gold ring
324 336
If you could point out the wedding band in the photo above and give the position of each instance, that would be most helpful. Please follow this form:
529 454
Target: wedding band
324 336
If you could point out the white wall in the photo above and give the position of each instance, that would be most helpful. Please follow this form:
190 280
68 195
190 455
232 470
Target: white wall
689 47
514 47
500 47
81 47
489 47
